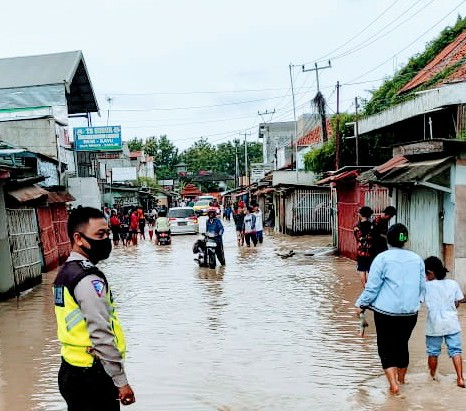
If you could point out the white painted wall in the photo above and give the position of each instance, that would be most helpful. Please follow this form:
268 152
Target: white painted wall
85 190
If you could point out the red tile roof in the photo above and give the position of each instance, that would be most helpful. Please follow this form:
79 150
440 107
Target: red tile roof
452 54
135 154
314 136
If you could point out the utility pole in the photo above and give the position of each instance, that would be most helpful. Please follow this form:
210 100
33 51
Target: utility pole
337 131
246 173
316 68
109 101
264 113
236 165
356 131
294 141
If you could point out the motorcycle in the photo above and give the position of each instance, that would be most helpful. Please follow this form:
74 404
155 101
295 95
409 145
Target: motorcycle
205 250
164 238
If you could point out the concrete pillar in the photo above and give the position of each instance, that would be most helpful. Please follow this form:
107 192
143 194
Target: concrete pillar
7 285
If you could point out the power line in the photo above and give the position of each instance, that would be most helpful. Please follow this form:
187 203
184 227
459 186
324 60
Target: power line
357 34
164 93
373 39
404 48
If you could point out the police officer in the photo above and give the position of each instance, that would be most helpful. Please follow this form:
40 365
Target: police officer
91 376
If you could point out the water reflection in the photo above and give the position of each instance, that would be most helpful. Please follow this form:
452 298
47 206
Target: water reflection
262 333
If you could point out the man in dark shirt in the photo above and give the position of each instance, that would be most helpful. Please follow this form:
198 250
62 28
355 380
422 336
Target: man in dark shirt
380 228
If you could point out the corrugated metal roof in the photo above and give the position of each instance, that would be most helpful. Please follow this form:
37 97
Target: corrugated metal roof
59 197
415 171
28 71
345 175
68 69
28 193
400 170
396 161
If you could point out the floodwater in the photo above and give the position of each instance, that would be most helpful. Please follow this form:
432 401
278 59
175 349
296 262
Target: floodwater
262 333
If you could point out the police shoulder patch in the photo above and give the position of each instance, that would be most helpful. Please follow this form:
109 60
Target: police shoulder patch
99 287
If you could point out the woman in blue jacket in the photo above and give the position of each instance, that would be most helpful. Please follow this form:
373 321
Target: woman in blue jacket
393 292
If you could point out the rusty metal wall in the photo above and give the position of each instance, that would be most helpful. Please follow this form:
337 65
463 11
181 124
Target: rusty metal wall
351 197
47 236
348 205
24 245
60 221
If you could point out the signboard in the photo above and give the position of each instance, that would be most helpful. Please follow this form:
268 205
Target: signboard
124 174
97 138
257 174
168 183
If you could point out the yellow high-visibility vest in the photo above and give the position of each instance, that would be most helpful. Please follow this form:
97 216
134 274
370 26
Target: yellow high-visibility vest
76 344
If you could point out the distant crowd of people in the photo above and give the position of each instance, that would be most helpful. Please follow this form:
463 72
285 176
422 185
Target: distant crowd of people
130 224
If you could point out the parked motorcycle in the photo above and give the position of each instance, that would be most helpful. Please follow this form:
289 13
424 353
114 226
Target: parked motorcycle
163 238
205 250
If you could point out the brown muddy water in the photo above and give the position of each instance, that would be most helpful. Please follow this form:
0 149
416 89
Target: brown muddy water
262 333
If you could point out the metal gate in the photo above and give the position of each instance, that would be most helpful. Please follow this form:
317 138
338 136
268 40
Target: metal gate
308 211
24 246
377 199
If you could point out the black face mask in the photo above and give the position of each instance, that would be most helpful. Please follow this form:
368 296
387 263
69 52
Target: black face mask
100 249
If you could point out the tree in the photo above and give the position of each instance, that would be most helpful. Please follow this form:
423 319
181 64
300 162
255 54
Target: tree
200 156
165 155
135 144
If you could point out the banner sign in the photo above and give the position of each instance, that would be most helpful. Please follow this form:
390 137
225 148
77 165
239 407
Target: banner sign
97 138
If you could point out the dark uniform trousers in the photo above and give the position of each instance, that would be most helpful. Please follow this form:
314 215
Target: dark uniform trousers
87 388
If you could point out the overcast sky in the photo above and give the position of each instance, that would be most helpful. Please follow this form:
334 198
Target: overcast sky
188 68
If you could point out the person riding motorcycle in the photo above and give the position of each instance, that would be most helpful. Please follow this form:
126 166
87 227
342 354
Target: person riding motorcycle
162 225
214 228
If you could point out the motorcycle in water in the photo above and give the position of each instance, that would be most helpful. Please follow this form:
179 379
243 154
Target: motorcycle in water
205 250
163 238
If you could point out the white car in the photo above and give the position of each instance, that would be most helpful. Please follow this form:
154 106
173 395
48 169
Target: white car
183 220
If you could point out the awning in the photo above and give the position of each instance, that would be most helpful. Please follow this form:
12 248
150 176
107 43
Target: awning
28 193
417 172
242 193
59 197
265 191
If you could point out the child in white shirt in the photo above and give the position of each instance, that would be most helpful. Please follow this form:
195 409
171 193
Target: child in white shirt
442 297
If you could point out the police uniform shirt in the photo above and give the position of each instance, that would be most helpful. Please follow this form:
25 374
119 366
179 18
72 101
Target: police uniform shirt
90 294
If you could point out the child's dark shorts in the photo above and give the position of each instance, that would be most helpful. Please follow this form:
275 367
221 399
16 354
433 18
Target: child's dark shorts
363 263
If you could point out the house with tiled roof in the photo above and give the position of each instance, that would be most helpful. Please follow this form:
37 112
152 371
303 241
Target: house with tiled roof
425 176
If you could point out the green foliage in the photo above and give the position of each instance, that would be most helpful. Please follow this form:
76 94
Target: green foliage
147 182
200 156
135 144
387 95
373 150
165 156
221 158
321 159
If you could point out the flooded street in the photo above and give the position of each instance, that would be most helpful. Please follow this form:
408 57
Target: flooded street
262 333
